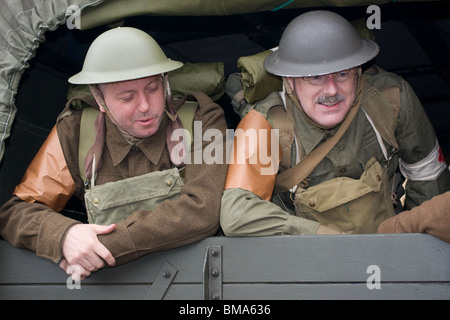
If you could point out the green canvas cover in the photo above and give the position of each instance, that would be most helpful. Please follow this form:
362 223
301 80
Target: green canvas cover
23 24
114 10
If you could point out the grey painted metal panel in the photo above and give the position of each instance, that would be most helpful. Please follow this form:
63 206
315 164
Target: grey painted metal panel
345 258
315 291
409 266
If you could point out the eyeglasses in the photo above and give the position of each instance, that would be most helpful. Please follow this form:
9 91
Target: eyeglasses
340 76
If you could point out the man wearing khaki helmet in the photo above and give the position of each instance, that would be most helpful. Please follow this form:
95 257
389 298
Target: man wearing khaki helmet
348 140
138 198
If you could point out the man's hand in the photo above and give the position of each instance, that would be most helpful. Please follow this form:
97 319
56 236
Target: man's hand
82 248
78 273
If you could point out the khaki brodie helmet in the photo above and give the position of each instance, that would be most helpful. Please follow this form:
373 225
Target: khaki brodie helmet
317 43
123 54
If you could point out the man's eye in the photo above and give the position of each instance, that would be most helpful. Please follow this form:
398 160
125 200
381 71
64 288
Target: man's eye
127 99
152 88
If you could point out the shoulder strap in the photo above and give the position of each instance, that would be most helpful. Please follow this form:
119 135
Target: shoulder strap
271 108
188 108
87 137
392 95
186 113
382 102
382 108
279 119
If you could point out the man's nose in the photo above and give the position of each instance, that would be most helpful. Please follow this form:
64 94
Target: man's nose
330 85
144 103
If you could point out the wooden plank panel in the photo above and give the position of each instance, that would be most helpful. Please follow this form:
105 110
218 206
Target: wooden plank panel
96 292
316 258
255 291
336 291
408 257
235 292
269 262
22 266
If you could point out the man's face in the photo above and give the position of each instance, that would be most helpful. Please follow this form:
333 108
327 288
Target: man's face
137 106
329 99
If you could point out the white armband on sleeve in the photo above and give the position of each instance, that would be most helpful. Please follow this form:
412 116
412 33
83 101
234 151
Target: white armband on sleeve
426 169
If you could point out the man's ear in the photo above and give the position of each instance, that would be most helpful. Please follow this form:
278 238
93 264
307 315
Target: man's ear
98 97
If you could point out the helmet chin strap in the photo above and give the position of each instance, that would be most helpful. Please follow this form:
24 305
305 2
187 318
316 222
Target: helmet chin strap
168 110
102 104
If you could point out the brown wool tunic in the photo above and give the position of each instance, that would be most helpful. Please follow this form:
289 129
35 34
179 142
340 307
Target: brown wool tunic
192 217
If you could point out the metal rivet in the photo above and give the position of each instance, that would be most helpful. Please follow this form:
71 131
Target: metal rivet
166 274
214 252
215 272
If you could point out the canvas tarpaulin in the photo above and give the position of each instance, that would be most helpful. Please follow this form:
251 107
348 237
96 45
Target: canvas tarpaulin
23 24
113 10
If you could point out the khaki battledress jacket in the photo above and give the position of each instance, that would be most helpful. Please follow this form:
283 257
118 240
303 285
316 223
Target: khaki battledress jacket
30 219
245 213
432 217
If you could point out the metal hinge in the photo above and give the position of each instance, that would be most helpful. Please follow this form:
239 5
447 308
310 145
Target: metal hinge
212 273
162 282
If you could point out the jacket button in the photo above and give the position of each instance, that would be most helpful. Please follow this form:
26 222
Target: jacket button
378 177
312 204
96 200
169 183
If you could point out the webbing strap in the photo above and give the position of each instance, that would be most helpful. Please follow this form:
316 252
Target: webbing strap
87 136
186 113
284 124
383 107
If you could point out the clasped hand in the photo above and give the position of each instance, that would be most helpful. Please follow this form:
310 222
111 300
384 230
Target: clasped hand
83 252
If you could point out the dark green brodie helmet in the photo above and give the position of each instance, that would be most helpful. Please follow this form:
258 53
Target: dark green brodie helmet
319 42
